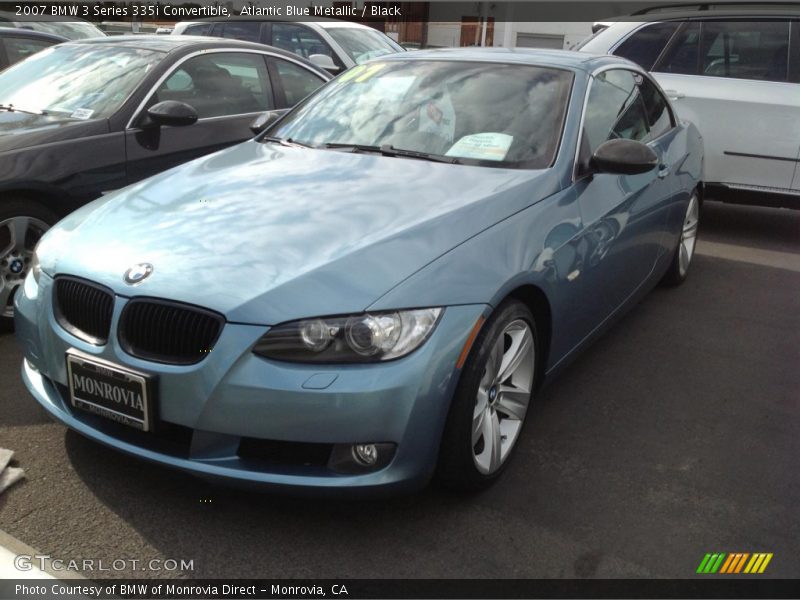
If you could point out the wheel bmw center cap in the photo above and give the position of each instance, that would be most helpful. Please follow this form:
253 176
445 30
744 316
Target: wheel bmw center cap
16 266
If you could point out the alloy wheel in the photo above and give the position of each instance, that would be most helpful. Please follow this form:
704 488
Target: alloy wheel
503 397
689 235
18 238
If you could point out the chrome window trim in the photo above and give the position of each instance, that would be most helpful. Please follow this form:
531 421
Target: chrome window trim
621 67
137 113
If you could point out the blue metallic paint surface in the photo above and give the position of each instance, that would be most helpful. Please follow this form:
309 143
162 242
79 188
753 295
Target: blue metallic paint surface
291 223
265 234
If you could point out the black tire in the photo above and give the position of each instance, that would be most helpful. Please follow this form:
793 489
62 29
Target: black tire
677 273
10 208
457 468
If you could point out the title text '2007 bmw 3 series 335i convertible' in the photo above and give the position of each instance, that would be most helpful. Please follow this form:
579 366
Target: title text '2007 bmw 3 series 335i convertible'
373 290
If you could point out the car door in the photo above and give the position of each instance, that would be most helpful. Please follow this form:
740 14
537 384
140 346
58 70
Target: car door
732 80
624 216
227 89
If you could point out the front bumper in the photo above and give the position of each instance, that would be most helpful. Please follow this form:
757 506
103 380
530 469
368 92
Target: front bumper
208 412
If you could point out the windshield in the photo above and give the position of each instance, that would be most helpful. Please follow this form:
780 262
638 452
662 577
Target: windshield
363 44
69 30
82 81
477 113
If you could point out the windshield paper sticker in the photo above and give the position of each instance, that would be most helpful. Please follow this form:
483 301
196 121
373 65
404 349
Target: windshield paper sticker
482 146
361 73
82 113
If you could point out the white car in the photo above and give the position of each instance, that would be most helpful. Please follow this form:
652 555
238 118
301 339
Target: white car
736 76
332 45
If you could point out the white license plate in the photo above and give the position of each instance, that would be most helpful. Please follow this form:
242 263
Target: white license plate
111 391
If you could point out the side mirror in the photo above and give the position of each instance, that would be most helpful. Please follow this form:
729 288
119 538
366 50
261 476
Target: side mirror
624 157
263 121
324 61
171 113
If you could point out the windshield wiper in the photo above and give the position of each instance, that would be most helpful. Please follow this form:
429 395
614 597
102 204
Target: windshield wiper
389 150
12 108
288 142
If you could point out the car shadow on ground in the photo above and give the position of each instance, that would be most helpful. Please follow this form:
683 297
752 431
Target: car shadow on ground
766 228
217 526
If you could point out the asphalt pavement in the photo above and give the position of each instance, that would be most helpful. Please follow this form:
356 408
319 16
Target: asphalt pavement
675 435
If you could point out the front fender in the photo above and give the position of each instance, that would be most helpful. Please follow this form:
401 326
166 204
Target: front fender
538 246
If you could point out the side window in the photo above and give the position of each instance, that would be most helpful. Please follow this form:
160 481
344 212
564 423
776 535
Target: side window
223 84
681 56
299 39
243 30
645 45
18 49
297 82
199 29
746 50
659 117
614 110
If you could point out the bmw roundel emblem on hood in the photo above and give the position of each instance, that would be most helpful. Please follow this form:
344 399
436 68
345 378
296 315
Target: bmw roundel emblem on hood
138 273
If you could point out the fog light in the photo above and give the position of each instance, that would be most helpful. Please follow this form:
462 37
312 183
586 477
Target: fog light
366 454
360 458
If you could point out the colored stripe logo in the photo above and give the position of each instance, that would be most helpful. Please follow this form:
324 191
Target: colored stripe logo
734 563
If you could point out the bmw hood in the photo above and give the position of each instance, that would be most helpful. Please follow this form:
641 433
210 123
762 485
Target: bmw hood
265 233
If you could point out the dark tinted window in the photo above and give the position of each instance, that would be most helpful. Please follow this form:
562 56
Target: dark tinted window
297 82
681 57
199 29
646 44
248 31
659 118
746 50
19 49
220 84
615 109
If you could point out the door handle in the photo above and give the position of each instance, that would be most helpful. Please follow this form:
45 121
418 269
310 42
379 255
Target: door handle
674 94
663 171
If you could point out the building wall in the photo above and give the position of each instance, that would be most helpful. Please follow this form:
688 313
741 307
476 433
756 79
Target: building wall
445 30
573 33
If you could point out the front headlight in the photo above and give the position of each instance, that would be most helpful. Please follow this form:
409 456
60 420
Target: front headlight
368 337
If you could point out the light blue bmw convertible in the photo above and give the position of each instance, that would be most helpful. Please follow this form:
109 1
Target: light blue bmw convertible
372 291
